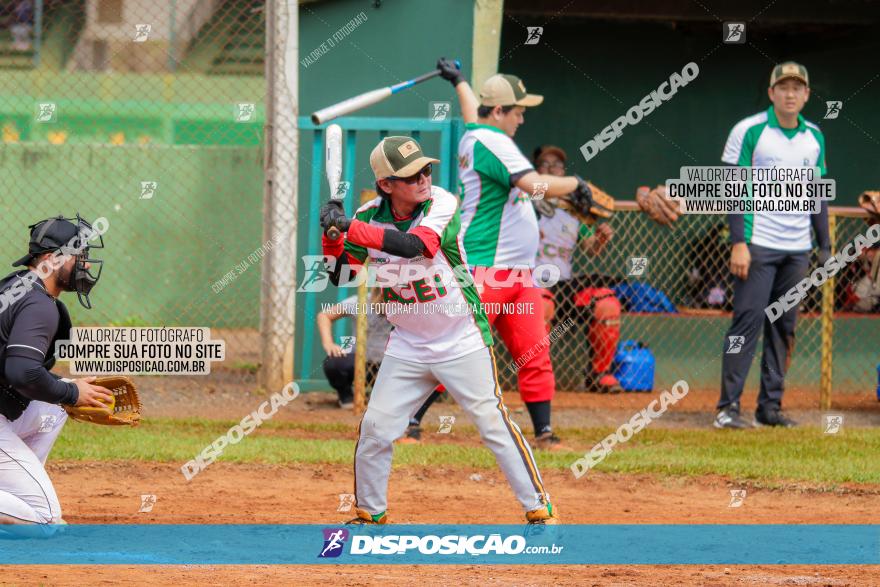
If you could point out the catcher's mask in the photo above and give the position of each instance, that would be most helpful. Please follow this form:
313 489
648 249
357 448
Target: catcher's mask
68 236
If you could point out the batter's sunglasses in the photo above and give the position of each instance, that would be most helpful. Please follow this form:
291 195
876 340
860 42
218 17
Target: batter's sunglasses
424 171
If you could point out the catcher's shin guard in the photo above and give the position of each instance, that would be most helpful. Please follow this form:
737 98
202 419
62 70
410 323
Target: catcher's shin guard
604 326
604 331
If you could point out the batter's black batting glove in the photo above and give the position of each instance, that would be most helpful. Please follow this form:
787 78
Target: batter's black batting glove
824 255
450 71
333 215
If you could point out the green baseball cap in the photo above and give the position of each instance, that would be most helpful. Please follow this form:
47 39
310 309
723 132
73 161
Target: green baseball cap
789 70
507 90
398 156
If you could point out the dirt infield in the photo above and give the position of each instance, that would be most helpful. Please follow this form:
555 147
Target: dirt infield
307 493
344 576
298 494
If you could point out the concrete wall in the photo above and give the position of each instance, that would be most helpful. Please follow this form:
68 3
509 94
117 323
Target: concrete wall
170 23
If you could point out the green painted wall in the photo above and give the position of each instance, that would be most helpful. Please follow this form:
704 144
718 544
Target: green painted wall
181 109
399 40
591 72
162 254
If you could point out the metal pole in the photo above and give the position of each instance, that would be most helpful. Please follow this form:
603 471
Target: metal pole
278 286
38 32
172 53
360 352
827 327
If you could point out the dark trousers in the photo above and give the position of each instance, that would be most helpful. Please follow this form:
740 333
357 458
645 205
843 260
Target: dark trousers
340 374
771 274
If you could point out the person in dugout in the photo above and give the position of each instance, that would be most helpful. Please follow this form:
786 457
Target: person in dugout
577 297
339 364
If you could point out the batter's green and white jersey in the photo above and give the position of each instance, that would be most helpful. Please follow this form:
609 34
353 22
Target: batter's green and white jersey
759 141
560 235
433 321
498 221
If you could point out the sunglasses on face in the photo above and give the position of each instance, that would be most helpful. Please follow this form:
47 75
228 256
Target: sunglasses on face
425 171
554 165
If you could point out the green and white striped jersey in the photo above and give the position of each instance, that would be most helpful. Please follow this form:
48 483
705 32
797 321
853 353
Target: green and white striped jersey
759 141
498 221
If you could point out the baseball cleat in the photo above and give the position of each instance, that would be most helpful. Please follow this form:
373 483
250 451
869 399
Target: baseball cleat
729 417
549 441
608 383
413 435
601 383
542 516
773 418
364 517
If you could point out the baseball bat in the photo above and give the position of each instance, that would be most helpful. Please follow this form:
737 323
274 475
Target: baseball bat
369 98
333 165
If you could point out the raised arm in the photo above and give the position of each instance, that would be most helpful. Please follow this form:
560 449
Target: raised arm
467 100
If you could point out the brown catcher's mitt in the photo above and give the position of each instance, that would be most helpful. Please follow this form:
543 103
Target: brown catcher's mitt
587 203
870 202
657 205
123 410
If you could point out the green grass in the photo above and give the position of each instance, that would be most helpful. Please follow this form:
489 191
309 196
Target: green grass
764 456
130 322
251 368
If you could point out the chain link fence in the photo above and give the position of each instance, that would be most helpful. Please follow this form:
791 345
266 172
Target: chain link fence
675 292
151 114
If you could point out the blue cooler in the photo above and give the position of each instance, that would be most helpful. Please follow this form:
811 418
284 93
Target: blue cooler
634 366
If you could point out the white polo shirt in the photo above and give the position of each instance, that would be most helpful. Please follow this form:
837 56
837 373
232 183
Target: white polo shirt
759 141
560 235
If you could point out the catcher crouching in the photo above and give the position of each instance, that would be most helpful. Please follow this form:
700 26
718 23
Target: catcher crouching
33 401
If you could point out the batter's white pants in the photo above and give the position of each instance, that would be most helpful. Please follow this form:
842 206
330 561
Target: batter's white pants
400 389
26 493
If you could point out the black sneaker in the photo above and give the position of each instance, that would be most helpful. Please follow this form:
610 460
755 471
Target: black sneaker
549 441
773 418
413 435
729 417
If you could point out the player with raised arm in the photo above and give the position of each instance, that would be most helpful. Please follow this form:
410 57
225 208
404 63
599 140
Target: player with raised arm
500 228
